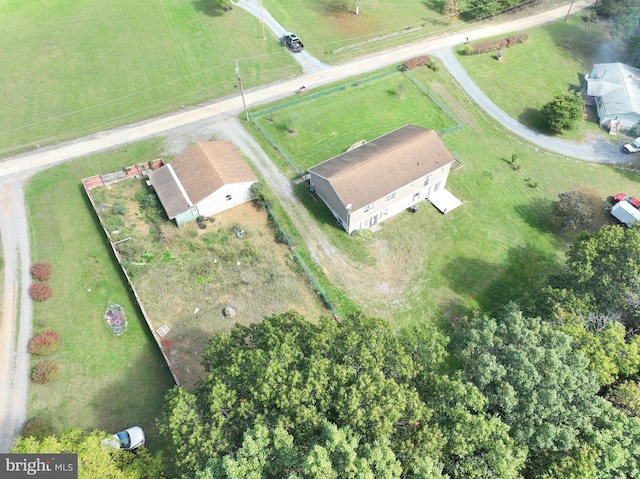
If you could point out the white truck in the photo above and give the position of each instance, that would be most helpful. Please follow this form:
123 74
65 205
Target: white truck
626 213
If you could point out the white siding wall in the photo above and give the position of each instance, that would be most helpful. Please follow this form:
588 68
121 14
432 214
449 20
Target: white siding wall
225 198
405 197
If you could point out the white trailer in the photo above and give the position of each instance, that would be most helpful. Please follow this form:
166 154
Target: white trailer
626 213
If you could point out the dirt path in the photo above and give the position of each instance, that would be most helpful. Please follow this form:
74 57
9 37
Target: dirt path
15 325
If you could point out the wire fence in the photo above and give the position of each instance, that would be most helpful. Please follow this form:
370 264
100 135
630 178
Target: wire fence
439 103
303 98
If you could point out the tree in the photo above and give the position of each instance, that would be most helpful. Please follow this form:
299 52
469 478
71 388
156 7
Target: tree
349 399
609 352
626 396
451 9
224 4
563 111
534 380
94 460
578 208
605 267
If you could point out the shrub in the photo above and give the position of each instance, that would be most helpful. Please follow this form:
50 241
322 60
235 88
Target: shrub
497 44
120 209
166 343
578 208
44 371
44 343
37 427
41 271
416 62
40 291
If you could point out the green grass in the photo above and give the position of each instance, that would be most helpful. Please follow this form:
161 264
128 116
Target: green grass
553 60
106 382
74 68
374 108
327 25
499 246
71 68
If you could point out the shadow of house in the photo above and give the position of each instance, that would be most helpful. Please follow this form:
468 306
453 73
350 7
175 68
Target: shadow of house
206 179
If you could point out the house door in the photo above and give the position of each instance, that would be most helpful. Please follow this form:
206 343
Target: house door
373 221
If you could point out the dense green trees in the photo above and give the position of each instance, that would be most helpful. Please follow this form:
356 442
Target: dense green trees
290 399
323 400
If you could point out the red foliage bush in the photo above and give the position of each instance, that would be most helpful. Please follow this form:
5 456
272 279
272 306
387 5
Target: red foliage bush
44 371
416 62
44 343
498 44
41 271
40 291
166 343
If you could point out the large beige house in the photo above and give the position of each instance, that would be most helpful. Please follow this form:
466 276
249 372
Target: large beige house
383 177
205 179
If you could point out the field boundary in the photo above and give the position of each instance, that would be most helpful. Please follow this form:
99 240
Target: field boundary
127 173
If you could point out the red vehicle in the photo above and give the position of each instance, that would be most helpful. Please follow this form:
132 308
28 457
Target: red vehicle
629 199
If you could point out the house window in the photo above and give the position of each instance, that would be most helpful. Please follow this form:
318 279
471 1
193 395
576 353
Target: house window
426 180
390 197
228 197
442 169
194 211
369 207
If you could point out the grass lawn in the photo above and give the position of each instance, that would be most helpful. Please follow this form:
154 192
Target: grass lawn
106 382
71 68
374 108
499 245
553 60
327 25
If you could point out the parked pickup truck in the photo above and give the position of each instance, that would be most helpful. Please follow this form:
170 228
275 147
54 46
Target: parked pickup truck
292 42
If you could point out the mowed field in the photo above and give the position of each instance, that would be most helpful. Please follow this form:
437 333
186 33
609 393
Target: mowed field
70 68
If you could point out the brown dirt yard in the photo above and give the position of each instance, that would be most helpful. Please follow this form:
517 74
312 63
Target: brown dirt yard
186 276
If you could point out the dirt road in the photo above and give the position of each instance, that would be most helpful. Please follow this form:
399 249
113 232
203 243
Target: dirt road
220 116
15 328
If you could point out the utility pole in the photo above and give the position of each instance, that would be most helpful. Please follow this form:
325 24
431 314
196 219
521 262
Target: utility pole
246 113
262 20
565 18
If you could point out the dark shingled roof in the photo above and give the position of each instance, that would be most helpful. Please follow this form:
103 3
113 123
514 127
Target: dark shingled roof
383 165
201 170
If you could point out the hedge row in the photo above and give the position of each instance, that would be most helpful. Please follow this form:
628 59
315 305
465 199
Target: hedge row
494 45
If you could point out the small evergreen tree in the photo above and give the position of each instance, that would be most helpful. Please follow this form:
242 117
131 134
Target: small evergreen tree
563 111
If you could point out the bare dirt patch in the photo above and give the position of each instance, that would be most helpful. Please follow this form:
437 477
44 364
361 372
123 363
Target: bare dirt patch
186 276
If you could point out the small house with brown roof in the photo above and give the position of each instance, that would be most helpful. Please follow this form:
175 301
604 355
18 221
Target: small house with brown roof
205 179
373 182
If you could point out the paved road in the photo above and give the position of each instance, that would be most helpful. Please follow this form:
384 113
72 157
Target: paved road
15 328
